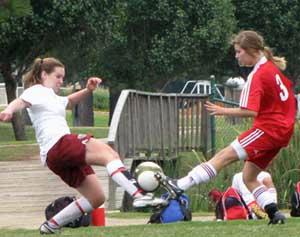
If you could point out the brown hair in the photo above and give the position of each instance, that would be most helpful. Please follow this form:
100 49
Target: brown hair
33 76
252 42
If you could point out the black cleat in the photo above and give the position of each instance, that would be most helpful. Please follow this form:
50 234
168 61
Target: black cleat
169 184
278 218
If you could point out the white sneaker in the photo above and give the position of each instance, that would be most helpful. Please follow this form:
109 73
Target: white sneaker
148 200
46 229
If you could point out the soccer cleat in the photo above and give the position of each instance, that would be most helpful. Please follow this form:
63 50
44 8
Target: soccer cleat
46 229
148 200
278 218
260 214
169 184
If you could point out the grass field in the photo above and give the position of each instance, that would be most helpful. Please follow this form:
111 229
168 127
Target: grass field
100 130
186 229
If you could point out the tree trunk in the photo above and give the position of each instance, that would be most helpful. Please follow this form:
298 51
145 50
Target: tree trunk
83 113
11 86
113 99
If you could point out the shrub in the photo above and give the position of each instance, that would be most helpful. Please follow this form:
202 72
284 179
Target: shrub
101 99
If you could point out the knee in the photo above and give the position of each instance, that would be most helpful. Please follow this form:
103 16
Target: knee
98 201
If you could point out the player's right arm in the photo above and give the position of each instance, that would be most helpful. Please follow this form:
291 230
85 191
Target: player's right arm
215 109
14 106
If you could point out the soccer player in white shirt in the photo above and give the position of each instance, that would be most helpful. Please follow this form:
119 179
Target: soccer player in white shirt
70 156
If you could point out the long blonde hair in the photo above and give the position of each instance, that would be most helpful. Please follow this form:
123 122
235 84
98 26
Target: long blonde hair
252 42
33 76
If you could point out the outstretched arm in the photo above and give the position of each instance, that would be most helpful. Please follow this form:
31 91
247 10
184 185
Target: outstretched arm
91 85
214 109
14 106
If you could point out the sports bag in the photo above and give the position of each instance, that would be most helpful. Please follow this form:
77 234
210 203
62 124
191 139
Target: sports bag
177 210
295 201
60 203
234 206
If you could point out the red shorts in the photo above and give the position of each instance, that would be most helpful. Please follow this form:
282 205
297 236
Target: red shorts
67 159
257 147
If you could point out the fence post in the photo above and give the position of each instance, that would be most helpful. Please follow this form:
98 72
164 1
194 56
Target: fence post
212 117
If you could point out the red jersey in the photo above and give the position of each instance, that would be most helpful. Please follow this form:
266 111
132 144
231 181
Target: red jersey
269 93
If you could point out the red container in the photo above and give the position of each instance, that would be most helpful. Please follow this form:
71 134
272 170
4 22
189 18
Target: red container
98 216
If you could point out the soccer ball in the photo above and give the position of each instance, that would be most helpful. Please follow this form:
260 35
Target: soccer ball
145 176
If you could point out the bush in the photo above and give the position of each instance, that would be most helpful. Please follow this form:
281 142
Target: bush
101 99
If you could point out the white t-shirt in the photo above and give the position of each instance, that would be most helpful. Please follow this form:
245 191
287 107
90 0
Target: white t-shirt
47 113
238 184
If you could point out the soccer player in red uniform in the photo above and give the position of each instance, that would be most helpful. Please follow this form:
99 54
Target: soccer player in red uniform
267 97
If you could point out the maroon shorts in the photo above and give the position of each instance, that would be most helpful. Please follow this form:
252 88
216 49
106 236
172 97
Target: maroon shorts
67 159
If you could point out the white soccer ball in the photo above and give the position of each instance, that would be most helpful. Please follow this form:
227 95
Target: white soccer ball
145 176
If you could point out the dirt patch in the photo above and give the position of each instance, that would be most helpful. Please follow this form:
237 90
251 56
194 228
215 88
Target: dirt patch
33 220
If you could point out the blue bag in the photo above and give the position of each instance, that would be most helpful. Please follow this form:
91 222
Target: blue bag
176 210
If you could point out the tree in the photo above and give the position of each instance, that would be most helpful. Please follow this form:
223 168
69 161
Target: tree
155 41
12 10
23 38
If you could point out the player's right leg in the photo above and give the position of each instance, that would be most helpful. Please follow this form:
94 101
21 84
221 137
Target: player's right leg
99 153
203 172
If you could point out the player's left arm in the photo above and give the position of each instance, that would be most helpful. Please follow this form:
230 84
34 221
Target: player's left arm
215 109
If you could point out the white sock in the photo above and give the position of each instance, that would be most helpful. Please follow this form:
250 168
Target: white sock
71 212
263 196
203 173
273 192
185 182
122 177
200 174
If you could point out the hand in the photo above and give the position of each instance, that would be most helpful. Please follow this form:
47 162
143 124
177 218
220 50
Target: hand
92 83
214 109
5 116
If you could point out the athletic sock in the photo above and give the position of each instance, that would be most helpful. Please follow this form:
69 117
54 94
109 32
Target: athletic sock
263 196
273 192
200 174
71 212
185 182
122 177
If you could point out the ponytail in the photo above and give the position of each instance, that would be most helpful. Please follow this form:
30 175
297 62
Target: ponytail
280 62
33 76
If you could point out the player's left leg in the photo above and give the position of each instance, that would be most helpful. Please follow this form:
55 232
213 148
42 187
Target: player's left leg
263 197
93 197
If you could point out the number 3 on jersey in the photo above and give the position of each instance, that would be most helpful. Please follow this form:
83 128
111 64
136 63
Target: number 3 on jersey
284 94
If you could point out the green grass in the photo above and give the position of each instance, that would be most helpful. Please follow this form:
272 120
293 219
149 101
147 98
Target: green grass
186 229
100 118
100 130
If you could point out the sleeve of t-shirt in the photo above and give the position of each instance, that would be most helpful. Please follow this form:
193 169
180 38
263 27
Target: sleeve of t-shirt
32 95
251 95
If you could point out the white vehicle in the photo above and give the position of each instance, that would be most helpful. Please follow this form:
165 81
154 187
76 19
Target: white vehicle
200 87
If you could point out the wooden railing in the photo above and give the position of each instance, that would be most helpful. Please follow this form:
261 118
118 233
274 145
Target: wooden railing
148 126
155 125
